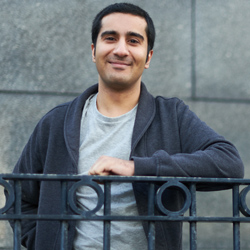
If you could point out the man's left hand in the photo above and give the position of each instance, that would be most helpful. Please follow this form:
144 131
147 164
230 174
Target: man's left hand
107 165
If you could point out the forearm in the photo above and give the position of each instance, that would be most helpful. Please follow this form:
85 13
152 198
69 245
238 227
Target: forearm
220 160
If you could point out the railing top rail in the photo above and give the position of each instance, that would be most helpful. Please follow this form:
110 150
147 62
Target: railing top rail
55 177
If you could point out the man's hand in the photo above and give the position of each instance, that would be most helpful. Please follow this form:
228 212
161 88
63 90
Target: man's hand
107 165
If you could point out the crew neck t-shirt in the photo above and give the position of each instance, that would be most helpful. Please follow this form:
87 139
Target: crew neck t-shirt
101 135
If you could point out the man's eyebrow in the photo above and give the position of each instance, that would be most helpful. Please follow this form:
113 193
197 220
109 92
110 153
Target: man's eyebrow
129 33
108 32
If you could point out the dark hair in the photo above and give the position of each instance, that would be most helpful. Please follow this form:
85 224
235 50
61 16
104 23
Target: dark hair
125 8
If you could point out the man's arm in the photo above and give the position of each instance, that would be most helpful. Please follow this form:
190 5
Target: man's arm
218 160
202 153
194 149
28 163
205 163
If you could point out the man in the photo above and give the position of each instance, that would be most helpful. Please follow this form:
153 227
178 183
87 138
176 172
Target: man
118 128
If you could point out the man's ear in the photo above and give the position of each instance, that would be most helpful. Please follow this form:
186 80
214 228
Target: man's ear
93 52
150 54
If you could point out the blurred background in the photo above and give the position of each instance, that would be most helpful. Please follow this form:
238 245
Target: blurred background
201 55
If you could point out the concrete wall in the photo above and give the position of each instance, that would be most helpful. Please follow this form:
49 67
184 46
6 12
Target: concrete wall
201 55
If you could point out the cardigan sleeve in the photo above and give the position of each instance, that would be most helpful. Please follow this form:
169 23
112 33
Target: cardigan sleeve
29 163
203 153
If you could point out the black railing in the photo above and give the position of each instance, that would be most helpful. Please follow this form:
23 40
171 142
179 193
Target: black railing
188 186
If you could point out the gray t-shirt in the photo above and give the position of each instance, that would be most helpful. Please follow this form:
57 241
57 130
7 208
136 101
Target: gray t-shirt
101 135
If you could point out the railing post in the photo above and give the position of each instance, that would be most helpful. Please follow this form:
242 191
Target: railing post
236 225
193 227
151 224
107 208
17 208
64 224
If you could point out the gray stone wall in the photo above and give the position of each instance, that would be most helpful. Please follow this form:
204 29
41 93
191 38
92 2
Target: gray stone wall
201 55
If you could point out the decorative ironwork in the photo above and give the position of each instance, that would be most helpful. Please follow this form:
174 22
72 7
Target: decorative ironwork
188 186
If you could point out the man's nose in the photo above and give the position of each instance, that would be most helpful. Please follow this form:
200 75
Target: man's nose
121 48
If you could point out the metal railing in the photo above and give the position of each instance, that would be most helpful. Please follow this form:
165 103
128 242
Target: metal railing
188 186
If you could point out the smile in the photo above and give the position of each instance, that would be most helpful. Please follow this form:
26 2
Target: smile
118 63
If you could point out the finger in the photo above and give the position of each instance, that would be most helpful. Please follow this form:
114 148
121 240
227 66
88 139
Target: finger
98 171
101 166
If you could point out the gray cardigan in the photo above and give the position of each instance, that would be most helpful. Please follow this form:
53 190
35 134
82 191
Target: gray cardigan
168 140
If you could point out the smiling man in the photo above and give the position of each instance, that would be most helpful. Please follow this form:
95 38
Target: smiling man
117 127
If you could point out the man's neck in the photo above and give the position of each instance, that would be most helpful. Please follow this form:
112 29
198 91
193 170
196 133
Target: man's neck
113 103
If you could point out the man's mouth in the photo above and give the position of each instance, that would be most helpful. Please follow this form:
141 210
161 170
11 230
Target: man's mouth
119 63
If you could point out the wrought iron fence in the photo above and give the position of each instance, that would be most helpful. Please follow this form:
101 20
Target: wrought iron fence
188 186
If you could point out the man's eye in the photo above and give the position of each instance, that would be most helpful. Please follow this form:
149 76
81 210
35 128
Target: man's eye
134 41
109 38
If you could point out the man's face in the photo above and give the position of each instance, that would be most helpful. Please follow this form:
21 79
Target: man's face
121 51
